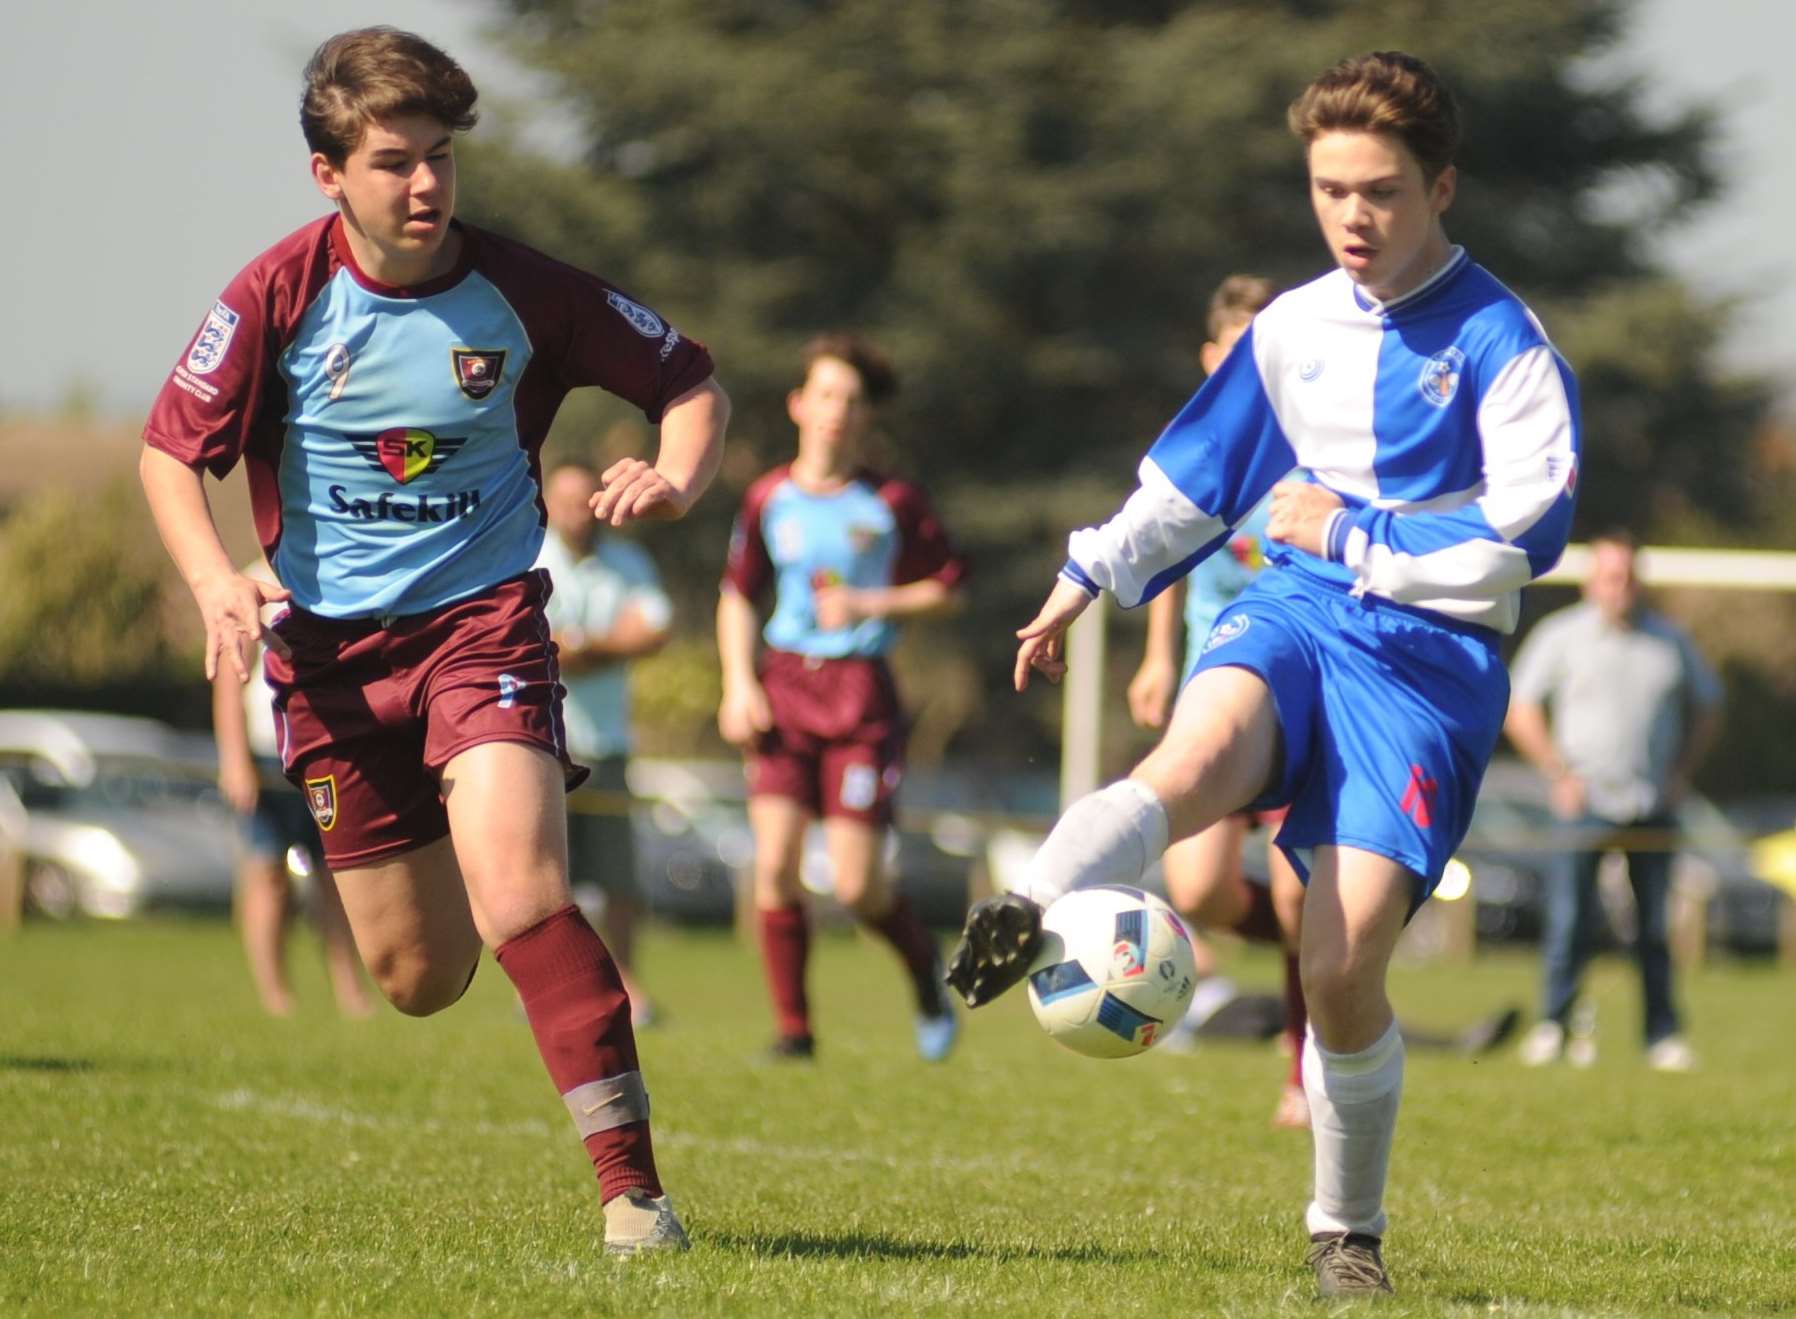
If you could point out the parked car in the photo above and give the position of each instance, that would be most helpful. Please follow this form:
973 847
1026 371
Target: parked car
122 815
1511 845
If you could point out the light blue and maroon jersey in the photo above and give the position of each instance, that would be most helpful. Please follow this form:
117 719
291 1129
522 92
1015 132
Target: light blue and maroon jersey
391 435
873 532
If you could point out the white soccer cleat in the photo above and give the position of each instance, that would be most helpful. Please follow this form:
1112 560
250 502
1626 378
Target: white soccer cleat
1544 1044
1671 1054
636 1221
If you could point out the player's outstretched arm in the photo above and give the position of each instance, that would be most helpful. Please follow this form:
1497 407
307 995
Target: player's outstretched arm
691 449
230 604
1043 640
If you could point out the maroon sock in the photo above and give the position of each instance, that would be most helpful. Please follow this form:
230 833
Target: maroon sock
1297 1017
785 949
922 960
1260 922
580 1016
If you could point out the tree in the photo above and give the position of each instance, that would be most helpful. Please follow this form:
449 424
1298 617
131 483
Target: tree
1028 201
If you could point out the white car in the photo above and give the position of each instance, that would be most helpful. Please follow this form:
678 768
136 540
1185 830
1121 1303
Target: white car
121 814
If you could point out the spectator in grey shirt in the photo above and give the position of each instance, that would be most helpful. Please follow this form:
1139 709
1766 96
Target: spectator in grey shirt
1616 707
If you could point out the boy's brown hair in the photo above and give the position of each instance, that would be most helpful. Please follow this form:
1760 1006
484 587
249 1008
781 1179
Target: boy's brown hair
375 73
879 381
1237 298
1383 92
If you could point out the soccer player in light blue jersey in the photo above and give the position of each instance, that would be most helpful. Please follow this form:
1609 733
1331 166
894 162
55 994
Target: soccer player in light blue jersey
842 555
387 374
1356 681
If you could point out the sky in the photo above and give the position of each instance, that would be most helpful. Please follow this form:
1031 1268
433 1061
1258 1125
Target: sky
151 150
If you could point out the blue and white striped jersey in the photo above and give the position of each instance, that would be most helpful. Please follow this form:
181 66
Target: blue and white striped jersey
1444 419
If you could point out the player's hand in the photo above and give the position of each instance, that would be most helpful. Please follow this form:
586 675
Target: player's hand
996 948
1568 797
1300 512
1150 693
239 784
231 607
1044 640
839 606
635 491
744 714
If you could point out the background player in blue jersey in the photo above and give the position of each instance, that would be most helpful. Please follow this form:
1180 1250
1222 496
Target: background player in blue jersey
1358 679
1204 876
844 553
387 375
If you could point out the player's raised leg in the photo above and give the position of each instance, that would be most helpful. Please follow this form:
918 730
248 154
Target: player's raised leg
509 828
1219 753
782 924
1353 1070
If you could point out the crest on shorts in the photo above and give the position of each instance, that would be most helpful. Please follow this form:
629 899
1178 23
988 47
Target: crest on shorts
405 453
641 319
477 370
213 339
1225 632
321 797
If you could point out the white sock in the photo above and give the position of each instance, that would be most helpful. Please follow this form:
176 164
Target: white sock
1353 1115
1108 837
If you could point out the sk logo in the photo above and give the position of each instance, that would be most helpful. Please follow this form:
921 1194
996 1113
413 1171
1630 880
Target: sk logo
1418 797
406 453
477 370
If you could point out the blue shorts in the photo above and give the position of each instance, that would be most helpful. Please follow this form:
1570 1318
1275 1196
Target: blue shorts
1388 717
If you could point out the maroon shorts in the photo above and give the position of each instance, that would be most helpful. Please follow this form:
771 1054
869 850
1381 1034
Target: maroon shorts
837 744
369 715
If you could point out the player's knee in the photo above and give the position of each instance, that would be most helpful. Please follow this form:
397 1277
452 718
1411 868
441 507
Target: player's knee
418 987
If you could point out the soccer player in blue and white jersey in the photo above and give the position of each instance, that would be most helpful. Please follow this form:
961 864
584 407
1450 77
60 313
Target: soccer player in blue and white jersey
1357 680
387 375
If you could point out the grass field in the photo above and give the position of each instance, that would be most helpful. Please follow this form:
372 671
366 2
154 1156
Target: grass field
163 1148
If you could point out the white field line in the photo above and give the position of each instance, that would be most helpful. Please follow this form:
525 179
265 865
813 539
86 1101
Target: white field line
243 1100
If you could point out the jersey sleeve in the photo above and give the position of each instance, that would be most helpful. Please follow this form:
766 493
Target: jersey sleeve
749 568
1205 474
208 407
642 586
1700 679
1517 526
924 550
1536 670
623 347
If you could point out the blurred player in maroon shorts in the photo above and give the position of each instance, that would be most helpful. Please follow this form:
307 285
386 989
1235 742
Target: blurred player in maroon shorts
845 553
387 376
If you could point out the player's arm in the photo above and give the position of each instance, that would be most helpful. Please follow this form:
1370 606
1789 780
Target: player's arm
237 778
230 603
743 711
1516 528
692 431
635 634
1156 680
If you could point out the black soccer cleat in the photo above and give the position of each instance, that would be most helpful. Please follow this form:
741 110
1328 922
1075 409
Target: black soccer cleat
792 1048
1348 1264
1001 938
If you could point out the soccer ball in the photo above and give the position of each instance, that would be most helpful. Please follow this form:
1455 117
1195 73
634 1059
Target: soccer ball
1114 973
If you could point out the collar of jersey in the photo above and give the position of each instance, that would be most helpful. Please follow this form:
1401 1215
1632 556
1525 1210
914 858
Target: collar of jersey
1456 261
463 263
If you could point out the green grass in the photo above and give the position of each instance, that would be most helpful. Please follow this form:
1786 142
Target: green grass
163 1148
